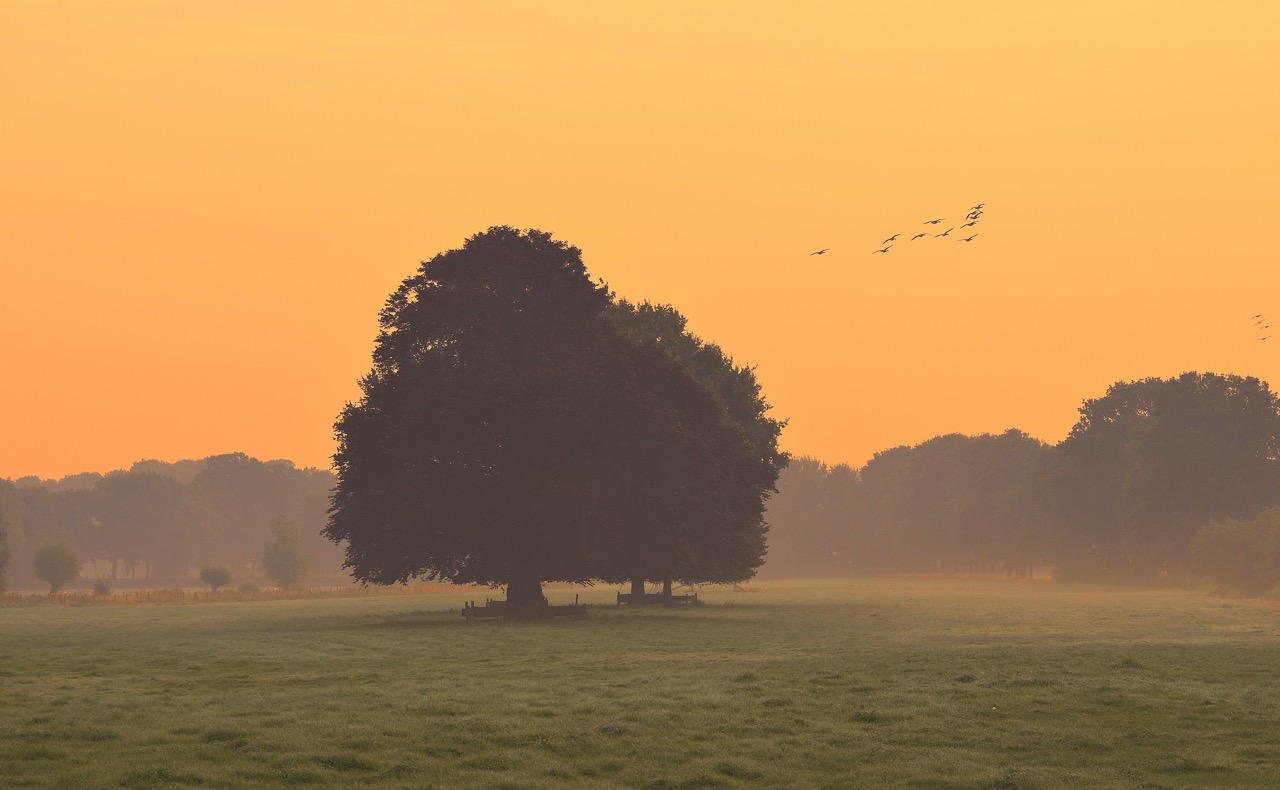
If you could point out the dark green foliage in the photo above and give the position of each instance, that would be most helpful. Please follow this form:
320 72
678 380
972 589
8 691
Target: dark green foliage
1152 461
735 386
510 434
700 519
283 558
56 563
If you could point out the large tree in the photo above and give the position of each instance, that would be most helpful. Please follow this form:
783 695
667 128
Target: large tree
737 403
508 434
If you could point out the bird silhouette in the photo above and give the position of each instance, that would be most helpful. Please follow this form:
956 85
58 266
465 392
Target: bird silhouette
973 215
977 207
891 238
969 224
1259 315
943 233
822 251
971 238
886 249
919 236
933 221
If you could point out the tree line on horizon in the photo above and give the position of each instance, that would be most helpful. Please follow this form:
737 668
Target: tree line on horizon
1159 479
164 521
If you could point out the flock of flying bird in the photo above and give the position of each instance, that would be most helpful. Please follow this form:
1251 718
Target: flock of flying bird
1262 324
975 213
1260 321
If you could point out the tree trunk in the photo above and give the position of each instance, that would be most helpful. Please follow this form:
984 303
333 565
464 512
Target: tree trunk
637 587
524 592
666 588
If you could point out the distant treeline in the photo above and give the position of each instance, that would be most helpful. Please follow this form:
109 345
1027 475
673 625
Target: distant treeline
1159 478
165 520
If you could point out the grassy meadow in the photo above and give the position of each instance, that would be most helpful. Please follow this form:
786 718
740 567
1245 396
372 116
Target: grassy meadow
845 683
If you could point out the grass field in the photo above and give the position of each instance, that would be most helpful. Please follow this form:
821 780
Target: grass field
849 683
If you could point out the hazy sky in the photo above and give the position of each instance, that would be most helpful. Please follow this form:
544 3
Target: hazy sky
204 205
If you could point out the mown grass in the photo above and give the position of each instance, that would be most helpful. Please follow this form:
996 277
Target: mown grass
867 683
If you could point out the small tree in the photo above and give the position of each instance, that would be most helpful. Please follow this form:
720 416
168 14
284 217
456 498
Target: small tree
215 576
5 554
56 563
283 558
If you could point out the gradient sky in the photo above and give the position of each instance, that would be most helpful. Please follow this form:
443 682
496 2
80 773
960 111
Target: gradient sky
204 205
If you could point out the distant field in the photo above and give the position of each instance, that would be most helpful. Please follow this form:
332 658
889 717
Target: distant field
849 683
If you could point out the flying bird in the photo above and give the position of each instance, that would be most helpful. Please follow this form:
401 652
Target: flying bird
891 238
943 233
977 207
933 221
973 215
1259 315
919 236
821 251
886 249
971 238
967 224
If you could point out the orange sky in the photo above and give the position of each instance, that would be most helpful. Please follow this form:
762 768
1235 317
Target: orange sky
204 205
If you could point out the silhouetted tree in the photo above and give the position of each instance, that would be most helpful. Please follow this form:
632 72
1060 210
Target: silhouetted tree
56 563
679 490
738 403
283 558
1151 461
954 503
507 431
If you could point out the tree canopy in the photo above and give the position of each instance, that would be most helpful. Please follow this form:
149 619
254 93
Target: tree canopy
56 563
1152 461
508 433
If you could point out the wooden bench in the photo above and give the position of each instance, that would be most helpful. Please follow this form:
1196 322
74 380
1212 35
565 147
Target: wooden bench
492 609
658 599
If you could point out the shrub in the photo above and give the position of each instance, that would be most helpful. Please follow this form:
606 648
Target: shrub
102 587
1240 556
56 563
215 576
